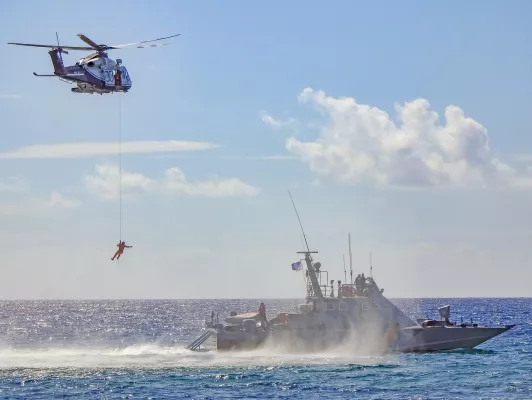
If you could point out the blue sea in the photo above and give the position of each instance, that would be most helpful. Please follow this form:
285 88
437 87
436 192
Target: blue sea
135 349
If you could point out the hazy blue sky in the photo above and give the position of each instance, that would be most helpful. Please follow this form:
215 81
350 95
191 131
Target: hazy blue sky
404 123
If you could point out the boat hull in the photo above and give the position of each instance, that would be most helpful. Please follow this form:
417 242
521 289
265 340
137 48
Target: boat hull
232 344
414 339
445 338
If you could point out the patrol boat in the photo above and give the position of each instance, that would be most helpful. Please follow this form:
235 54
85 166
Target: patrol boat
359 317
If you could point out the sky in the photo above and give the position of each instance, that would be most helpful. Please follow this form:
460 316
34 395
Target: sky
405 124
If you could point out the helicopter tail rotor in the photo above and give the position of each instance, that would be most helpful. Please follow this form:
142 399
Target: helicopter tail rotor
59 47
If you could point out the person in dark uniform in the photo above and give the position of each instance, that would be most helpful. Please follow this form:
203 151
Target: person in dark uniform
262 310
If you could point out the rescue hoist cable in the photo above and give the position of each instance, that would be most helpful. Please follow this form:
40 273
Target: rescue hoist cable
120 161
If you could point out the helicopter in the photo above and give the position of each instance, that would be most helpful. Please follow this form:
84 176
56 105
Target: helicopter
95 73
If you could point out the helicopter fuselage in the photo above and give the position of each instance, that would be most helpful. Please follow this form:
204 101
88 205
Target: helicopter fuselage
96 73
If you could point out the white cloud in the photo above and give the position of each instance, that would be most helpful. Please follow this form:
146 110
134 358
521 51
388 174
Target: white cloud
523 157
38 206
57 200
175 182
77 150
266 158
361 143
13 185
522 182
272 158
106 183
277 123
10 96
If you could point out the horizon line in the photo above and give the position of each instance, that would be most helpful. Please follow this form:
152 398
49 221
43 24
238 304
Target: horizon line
244 298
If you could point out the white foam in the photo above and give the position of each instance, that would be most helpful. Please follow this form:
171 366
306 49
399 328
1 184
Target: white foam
154 356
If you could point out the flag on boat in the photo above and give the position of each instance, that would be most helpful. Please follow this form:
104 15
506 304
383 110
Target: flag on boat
296 266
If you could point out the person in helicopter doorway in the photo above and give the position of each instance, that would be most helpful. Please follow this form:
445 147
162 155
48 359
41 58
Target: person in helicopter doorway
121 246
118 77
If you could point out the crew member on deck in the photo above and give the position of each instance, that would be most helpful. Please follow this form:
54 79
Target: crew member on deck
359 285
262 310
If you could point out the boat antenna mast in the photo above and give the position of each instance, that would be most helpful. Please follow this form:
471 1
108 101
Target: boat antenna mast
350 258
311 269
345 272
370 266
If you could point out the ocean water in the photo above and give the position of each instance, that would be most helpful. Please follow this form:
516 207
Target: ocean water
135 349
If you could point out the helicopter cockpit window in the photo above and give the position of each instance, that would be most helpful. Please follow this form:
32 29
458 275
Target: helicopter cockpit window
90 64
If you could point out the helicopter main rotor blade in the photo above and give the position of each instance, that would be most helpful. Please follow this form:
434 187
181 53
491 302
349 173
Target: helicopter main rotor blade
94 46
89 41
119 46
53 46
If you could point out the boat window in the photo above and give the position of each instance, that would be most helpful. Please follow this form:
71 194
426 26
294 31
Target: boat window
365 306
343 306
330 306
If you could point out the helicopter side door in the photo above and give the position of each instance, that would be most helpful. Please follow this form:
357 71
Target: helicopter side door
108 77
124 75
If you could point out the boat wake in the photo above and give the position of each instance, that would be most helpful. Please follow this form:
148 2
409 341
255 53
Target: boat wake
155 356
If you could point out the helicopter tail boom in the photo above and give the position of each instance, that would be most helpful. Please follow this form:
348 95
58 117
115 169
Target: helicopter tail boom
57 61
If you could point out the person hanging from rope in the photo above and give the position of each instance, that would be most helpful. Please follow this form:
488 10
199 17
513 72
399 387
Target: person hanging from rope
121 246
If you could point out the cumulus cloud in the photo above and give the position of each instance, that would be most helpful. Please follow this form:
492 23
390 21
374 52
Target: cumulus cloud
275 157
523 157
106 183
272 158
57 200
175 182
276 123
361 143
16 199
88 149
13 185
38 206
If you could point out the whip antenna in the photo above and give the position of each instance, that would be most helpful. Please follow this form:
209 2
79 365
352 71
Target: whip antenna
345 272
350 258
300 224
